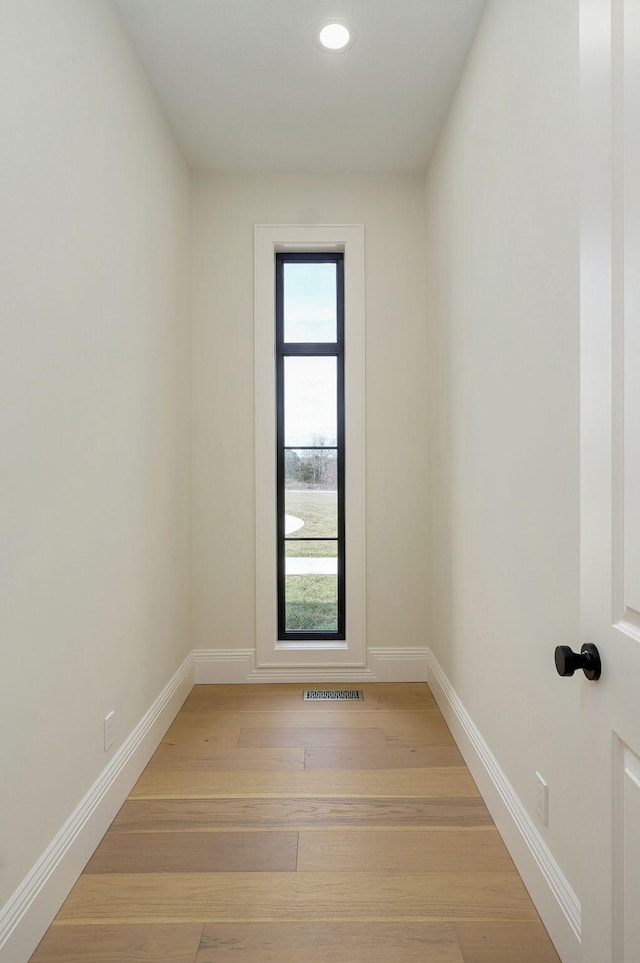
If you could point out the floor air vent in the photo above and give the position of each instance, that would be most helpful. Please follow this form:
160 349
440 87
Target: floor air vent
333 695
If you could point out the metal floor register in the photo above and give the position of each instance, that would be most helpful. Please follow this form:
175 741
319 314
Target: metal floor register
333 695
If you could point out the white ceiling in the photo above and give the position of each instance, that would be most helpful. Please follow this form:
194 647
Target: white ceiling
246 88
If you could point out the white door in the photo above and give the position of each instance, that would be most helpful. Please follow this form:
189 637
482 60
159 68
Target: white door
610 403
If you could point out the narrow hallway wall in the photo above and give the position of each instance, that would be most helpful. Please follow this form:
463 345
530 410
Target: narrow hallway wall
95 409
502 264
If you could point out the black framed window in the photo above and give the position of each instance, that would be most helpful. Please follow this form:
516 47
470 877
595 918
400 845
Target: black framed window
310 446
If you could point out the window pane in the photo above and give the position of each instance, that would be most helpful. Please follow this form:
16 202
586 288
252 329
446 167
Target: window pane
311 514
311 602
311 586
309 302
310 411
311 497
311 469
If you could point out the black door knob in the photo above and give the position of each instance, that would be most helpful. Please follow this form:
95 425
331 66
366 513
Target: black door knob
587 659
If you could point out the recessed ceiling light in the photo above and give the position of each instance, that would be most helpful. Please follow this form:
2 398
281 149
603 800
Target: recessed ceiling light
335 35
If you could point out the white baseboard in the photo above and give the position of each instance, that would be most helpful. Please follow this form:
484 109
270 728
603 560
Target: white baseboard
26 916
235 666
402 664
223 666
554 898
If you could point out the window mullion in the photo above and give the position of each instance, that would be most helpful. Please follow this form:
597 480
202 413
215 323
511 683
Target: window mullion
307 349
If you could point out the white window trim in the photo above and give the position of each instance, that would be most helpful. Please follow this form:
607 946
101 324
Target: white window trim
270 239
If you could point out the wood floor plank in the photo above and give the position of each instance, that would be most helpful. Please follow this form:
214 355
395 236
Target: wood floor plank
450 782
120 943
185 815
339 942
505 942
195 853
436 734
311 736
222 736
417 851
404 758
385 695
211 897
176 758
211 721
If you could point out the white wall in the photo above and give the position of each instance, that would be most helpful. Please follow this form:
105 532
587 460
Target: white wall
225 208
502 263
94 370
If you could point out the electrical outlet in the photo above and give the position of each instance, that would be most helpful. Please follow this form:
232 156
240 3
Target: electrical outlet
542 800
108 730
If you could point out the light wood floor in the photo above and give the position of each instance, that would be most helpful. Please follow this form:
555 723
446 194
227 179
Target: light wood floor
268 830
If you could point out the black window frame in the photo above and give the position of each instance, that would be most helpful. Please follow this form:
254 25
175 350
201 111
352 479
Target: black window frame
310 349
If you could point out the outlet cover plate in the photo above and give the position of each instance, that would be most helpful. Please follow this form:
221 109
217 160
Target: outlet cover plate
542 800
108 730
